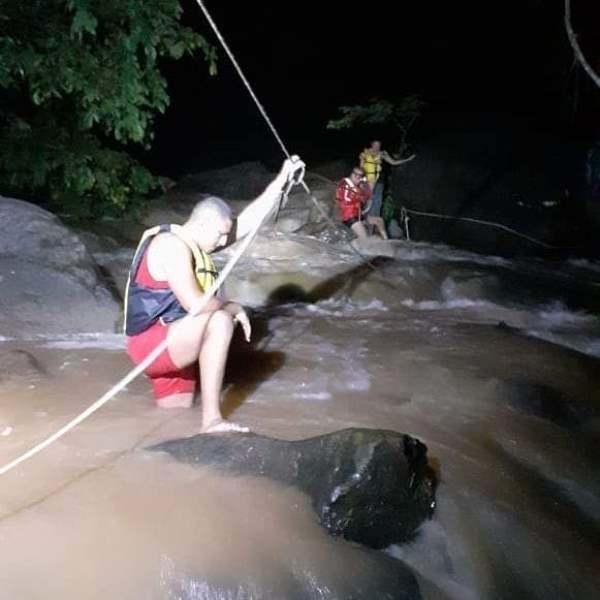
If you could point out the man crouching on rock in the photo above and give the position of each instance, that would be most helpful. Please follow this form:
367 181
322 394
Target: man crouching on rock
169 273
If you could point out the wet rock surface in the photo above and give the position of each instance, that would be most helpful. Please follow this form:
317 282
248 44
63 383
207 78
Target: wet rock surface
496 169
242 181
304 243
49 282
369 486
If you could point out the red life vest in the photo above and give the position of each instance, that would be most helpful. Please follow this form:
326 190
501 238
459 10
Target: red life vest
147 301
350 198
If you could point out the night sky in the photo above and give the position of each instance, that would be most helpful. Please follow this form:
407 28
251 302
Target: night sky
509 57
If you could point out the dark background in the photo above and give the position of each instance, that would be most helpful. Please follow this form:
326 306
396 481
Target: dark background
469 60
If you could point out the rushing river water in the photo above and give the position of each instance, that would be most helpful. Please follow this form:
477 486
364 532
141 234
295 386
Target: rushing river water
492 363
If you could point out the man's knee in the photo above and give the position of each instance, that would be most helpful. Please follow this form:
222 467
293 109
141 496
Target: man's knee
220 323
193 330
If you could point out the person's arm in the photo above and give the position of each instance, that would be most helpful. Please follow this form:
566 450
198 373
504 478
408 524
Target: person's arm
262 206
365 192
391 161
344 193
362 159
177 264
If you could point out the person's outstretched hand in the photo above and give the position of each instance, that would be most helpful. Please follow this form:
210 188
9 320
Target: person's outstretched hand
293 168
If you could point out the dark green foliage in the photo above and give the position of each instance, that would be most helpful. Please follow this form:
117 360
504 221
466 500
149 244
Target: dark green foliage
79 81
398 116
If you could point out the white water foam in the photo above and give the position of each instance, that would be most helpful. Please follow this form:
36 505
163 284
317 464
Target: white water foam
325 367
556 323
553 322
73 341
342 307
101 341
556 314
583 263
312 395
455 303
581 343
421 252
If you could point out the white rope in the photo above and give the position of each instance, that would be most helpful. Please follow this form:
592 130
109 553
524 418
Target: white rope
481 222
243 77
162 346
304 185
263 112
145 363
575 45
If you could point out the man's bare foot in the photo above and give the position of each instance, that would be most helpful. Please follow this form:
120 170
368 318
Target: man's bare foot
176 401
223 426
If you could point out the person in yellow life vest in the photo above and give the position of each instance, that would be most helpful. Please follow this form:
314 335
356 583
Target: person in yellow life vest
371 159
170 272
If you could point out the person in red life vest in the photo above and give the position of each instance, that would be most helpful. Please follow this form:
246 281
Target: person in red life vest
170 272
352 194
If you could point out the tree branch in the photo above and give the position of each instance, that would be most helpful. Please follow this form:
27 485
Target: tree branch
575 45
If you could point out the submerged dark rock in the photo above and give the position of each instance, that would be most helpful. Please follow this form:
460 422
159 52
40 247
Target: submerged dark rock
370 486
18 365
546 402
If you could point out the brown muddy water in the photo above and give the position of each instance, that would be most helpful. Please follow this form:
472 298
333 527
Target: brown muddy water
512 424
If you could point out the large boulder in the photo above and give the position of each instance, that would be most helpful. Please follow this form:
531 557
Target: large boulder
496 169
50 283
238 185
113 255
242 181
369 486
302 253
298 246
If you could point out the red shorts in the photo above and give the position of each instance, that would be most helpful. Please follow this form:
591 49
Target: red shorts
165 377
